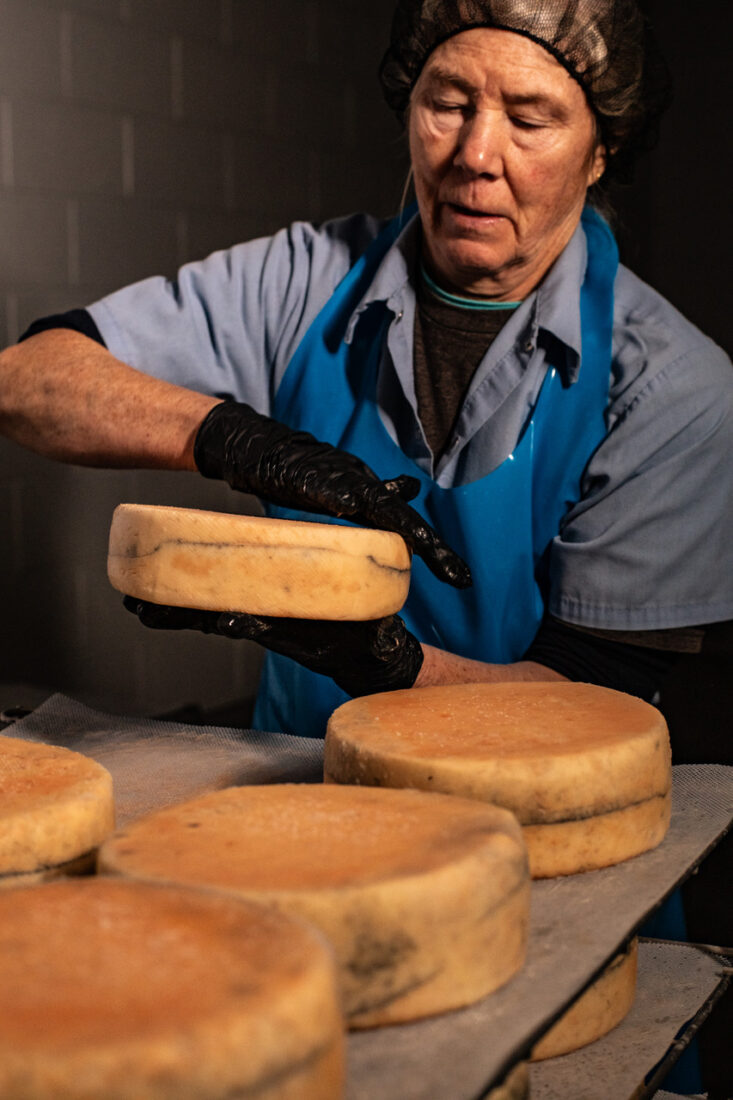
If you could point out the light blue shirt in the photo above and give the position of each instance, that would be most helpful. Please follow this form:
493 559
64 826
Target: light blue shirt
649 545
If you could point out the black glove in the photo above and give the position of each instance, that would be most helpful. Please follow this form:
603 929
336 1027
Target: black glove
361 657
258 455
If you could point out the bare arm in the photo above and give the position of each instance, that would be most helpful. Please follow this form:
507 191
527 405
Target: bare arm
66 397
440 667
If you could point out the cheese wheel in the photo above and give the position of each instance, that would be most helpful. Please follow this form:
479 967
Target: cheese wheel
218 562
603 1005
424 898
586 770
56 806
515 1085
129 991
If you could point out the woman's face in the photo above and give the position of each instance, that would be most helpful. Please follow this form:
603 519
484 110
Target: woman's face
503 148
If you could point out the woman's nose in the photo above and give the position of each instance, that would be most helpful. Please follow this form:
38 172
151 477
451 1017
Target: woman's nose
480 146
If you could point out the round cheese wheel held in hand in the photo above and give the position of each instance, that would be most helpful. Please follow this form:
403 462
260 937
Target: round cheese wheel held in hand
214 561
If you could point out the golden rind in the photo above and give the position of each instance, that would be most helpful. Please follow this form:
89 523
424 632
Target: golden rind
515 1085
570 847
290 569
55 805
406 932
126 990
597 1011
598 795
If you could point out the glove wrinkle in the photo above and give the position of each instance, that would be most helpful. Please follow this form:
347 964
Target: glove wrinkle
361 657
255 454
404 487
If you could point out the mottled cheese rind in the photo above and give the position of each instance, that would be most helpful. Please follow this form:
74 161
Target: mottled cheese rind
55 807
219 562
602 1006
569 847
130 991
409 889
586 770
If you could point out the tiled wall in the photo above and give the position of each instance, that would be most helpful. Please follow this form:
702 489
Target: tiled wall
136 134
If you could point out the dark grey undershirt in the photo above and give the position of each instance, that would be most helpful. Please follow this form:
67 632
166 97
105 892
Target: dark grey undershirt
450 342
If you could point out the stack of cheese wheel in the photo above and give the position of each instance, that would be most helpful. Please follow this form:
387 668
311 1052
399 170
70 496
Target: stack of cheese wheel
424 898
129 991
56 806
218 562
586 770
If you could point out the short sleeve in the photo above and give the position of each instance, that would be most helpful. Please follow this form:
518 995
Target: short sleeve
228 325
650 543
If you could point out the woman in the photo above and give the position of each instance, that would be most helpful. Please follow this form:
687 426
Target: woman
554 420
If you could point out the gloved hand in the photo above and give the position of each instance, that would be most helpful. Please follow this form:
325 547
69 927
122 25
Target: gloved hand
362 657
258 455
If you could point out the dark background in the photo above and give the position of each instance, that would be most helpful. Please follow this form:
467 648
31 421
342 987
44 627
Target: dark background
675 230
676 220
137 134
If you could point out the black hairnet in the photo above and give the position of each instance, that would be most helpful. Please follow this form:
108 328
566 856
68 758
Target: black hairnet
606 45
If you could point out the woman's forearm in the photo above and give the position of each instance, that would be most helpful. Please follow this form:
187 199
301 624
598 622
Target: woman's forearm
440 667
66 397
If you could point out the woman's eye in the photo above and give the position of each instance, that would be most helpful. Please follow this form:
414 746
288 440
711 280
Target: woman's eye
526 123
448 107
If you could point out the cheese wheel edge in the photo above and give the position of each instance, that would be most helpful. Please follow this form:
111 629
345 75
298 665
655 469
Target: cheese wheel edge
57 805
539 789
600 1008
228 562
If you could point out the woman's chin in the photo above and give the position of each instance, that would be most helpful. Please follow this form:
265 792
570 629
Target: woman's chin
471 268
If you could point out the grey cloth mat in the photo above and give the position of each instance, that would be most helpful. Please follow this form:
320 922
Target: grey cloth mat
577 922
662 1095
674 980
155 764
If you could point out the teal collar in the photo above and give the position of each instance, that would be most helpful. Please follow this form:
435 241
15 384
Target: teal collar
461 302
554 306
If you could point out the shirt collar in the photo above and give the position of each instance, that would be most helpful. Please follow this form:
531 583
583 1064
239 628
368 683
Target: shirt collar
554 305
557 299
393 275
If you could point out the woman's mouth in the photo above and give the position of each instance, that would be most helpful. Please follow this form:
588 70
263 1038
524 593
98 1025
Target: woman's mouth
462 211
471 220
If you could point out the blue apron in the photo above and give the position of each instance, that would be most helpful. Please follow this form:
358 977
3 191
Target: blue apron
502 524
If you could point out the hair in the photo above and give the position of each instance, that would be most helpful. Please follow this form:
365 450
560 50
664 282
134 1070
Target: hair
607 46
